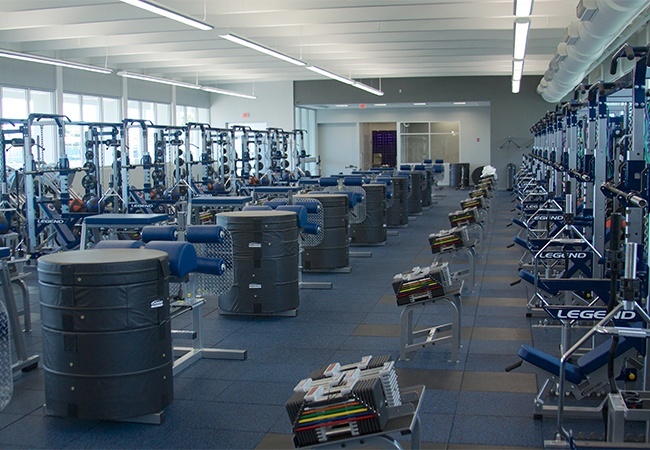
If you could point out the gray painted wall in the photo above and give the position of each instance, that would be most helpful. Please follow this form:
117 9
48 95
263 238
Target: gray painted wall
474 128
511 115
274 105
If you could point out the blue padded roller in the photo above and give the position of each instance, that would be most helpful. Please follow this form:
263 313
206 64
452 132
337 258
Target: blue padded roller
405 167
427 161
118 244
308 181
384 180
205 234
300 211
159 233
328 181
273 204
311 228
353 181
440 161
438 168
418 167
182 256
5 252
211 266
311 207
257 208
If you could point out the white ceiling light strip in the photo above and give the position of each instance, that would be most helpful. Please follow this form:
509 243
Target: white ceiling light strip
326 73
523 8
262 49
365 87
227 92
169 13
342 79
52 62
521 37
332 75
139 76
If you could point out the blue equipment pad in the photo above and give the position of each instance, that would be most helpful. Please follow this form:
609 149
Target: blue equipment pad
182 256
586 364
205 234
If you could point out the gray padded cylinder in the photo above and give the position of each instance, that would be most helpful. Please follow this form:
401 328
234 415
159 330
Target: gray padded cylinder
107 351
398 213
334 250
415 200
265 262
373 228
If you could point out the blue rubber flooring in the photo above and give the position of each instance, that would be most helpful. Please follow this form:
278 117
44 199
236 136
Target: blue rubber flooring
471 403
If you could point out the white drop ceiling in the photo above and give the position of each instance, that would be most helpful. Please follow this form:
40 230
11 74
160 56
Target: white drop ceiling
361 39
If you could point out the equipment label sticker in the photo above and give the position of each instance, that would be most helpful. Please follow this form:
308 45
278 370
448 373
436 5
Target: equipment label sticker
157 304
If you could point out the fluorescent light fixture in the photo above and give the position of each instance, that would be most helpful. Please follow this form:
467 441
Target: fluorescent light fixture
380 104
365 87
419 104
341 106
227 92
460 103
138 76
523 8
521 36
170 14
515 86
261 49
52 62
517 69
331 75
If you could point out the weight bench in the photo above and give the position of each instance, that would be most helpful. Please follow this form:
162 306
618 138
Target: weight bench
183 261
116 221
587 376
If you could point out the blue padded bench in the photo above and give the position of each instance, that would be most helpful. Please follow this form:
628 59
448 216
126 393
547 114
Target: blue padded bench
585 365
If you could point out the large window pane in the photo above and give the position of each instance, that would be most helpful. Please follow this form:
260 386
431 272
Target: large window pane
90 108
414 127
191 115
14 103
444 127
180 115
204 115
148 111
415 149
445 146
163 114
133 111
72 106
40 102
111 107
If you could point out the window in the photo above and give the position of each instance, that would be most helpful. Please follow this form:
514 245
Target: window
185 114
305 119
111 110
18 104
14 103
429 140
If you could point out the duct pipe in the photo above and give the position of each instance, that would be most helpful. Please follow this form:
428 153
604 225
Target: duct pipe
593 37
